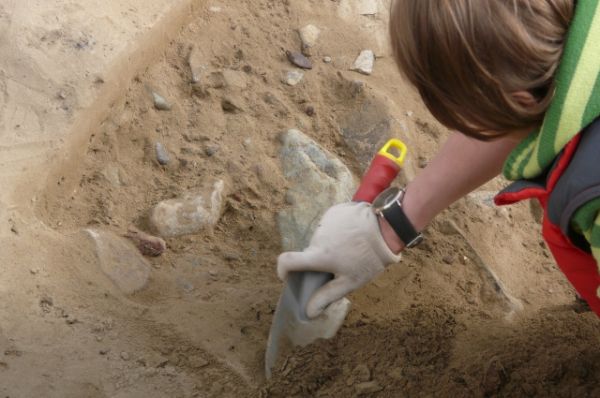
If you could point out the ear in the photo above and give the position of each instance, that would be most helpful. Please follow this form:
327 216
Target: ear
524 98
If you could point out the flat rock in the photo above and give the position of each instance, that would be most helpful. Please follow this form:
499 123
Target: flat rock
189 214
317 180
368 387
120 261
231 105
293 77
298 59
364 62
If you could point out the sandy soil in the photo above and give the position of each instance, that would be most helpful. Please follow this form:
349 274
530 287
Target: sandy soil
479 310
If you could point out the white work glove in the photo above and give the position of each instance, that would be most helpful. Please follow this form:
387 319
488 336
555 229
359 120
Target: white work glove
346 243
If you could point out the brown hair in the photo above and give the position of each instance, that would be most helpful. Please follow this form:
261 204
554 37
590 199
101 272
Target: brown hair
467 57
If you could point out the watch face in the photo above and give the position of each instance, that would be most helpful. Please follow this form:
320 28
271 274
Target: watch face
385 197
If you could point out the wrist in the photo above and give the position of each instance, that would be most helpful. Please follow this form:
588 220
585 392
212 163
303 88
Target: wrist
414 212
389 236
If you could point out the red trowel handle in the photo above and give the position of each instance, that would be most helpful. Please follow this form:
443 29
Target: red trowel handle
384 167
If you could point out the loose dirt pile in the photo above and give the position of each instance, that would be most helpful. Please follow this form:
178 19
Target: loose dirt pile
479 310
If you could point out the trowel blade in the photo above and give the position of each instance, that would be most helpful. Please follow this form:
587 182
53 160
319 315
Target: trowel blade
290 323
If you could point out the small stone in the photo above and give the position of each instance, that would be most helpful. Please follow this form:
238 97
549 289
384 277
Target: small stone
185 285
231 256
310 110
231 105
362 373
247 143
160 102
299 60
197 362
124 356
162 155
448 259
357 87
327 60
293 77
46 303
195 62
189 214
368 387
210 150
364 62
214 9
309 35
422 162
395 374
34 271
216 80
147 244
112 175
367 7
409 113
104 351
235 79
448 227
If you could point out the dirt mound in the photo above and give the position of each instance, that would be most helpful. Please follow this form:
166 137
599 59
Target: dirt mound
429 352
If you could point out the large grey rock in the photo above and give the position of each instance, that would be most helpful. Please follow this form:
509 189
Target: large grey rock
317 180
365 128
189 214
120 261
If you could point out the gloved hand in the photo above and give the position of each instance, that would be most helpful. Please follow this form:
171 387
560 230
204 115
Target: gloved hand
348 244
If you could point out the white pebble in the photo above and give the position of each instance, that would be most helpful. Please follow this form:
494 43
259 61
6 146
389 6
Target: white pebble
309 35
293 77
364 62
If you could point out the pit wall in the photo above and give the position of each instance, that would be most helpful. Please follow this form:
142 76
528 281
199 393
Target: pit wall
65 65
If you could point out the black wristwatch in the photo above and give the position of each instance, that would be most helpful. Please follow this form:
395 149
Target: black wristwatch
388 205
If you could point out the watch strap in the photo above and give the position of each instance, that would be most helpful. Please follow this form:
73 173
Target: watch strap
396 217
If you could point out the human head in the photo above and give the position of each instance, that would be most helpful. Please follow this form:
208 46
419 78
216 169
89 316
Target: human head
483 67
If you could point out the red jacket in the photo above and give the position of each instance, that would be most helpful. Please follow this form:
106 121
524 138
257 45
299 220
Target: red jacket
572 181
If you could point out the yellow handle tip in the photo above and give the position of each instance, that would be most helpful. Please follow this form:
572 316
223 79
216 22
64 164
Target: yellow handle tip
394 143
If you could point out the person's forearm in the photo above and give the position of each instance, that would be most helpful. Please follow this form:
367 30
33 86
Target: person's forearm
462 165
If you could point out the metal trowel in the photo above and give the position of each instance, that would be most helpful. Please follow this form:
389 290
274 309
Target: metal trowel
291 325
